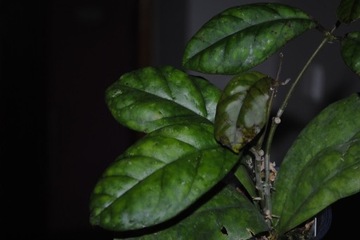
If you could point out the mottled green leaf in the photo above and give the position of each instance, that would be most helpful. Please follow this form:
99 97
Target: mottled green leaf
151 98
322 166
350 51
228 215
348 11
159 176
240 38
242 109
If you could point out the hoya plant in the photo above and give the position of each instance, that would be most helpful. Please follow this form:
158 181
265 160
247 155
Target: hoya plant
202 168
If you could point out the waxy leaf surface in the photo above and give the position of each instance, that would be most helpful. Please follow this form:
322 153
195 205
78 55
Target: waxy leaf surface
348 11
159 176
240 38
151 98
228 215
350 51
321 167
242 109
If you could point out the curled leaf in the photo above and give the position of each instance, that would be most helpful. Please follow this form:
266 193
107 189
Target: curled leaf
242 109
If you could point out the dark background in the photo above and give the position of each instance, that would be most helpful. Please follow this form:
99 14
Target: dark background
57 135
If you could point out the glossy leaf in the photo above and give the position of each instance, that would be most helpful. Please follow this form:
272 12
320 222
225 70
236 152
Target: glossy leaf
159 176
151 98
322 166
228 215
350 51
242 108
240 38
348 11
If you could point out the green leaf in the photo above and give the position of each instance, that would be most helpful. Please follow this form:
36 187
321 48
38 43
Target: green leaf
228 215
240 38
242 109
321 167
348 11
151 98
350 51
159 176
243 175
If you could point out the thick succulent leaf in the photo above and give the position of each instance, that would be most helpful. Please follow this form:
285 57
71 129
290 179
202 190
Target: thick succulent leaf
348 11
159 176
322 166
151 98
228 215
350 51
242 109
240 38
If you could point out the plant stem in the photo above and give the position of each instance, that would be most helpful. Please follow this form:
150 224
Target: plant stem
281 110
276 121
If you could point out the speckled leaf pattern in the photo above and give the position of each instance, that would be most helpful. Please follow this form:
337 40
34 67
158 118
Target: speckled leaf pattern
348 11
307 178
228 215
240 38
159 176
151 98
350 51
242 108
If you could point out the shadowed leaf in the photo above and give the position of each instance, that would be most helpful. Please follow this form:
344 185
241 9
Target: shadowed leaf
350 51
322 166
348 11
228 215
